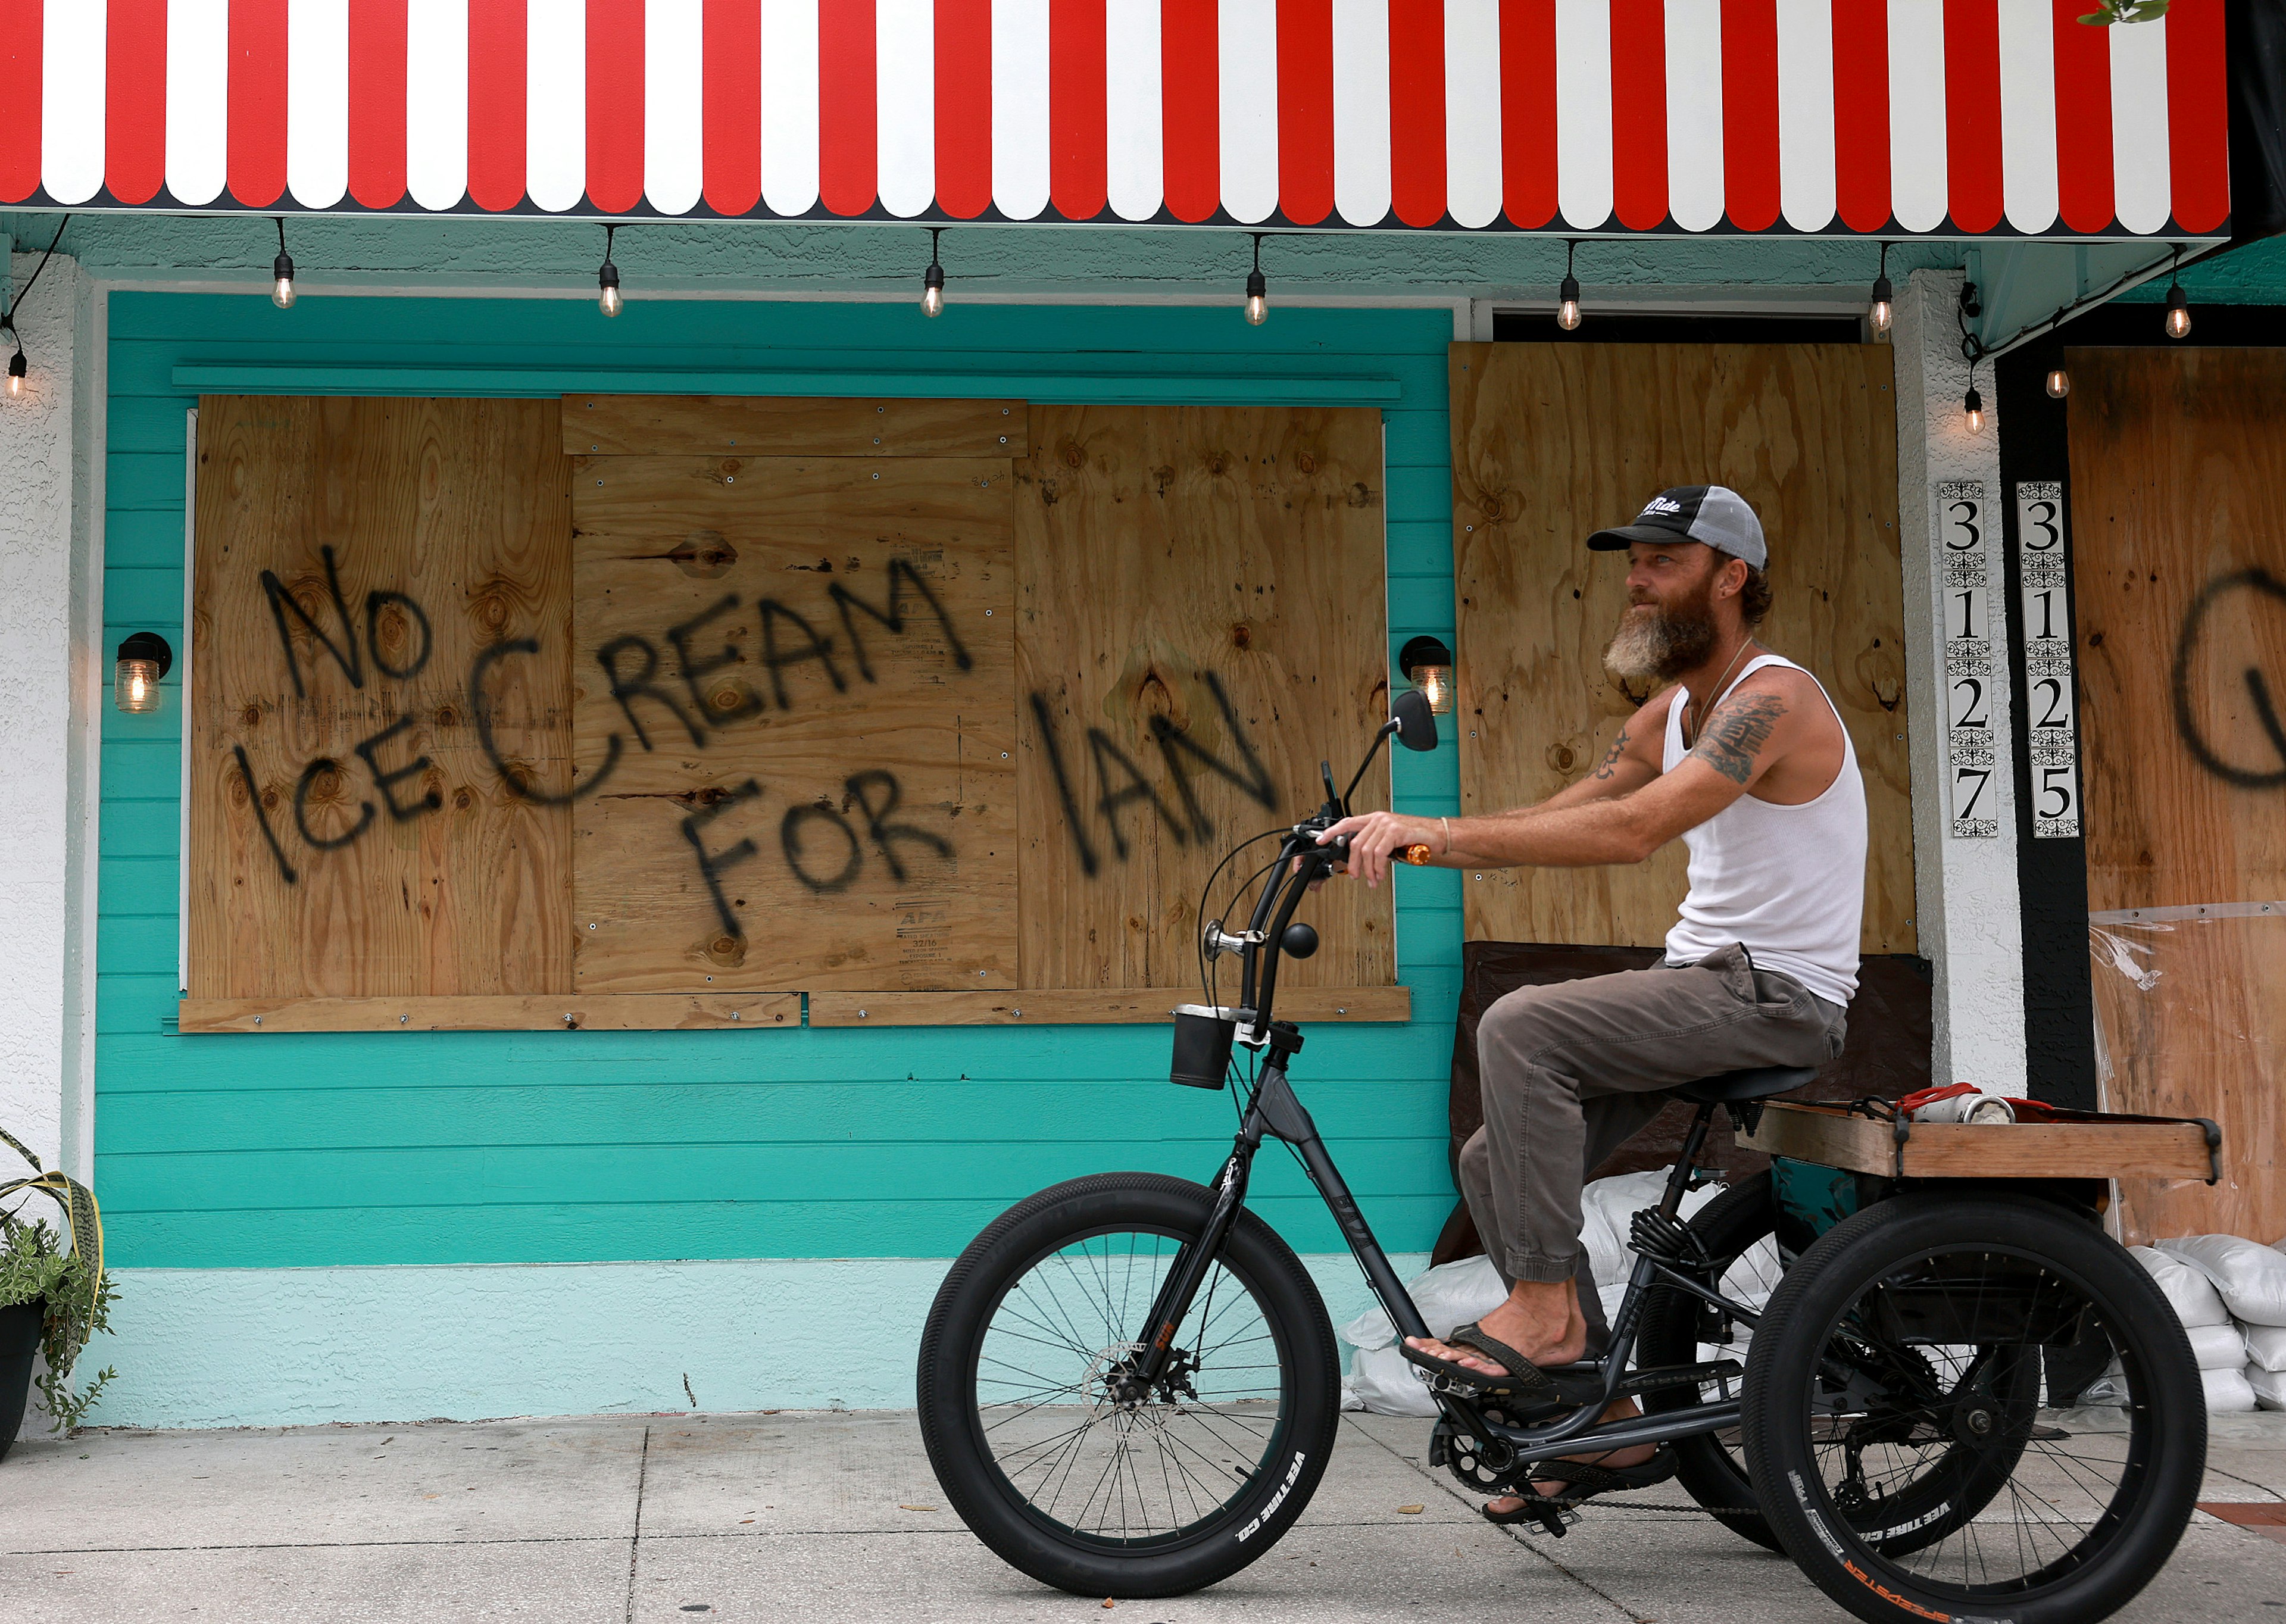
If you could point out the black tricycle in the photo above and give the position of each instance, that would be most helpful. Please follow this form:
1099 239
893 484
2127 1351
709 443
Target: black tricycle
1961 1400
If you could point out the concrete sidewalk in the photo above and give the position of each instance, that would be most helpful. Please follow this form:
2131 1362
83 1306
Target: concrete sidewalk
801 1516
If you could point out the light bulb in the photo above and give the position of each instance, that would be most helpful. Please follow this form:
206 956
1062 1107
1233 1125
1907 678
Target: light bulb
2059 383
933 290
1884 309
137 687
16 374
1972 404
2178 313
1436 685
281 294
1258 299
608 300
1567 309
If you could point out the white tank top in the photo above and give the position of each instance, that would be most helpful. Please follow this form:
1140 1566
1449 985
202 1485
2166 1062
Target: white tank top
1785 883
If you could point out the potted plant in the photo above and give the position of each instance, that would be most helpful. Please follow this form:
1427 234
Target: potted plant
54 1294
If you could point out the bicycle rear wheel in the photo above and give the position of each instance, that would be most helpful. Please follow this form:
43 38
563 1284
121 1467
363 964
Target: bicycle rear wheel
1892 1413
1065 1462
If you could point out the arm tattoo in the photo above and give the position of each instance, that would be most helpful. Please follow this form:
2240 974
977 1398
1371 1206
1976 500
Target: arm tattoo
1612 756
1735 734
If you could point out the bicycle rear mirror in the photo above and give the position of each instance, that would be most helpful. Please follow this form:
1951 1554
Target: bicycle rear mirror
1416 724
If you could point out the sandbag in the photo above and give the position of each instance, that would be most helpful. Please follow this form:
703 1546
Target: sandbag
2269 1387
2228 1391
2250 1277
2219 1347
1385 1382
1451 1294
2188 1291
2266 1346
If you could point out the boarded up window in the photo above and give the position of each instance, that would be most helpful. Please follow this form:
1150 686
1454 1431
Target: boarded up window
638 711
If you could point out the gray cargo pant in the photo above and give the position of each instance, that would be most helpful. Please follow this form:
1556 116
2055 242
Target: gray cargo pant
1571 1072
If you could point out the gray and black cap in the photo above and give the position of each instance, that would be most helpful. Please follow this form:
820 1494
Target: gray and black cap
1713 514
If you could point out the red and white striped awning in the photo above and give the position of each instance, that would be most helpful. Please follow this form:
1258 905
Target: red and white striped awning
1874 117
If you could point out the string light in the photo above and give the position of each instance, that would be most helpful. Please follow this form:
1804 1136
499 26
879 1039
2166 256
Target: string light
1884 306
933 279
2059 383
1567 297
18 368
1258 291
2179 308
1972 404
281 270
607 279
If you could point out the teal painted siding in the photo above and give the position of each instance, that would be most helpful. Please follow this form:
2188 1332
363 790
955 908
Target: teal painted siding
554 1146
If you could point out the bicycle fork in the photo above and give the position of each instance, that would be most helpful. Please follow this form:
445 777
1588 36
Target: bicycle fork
1274 1113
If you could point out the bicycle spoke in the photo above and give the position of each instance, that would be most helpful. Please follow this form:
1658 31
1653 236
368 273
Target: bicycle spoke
1103 1453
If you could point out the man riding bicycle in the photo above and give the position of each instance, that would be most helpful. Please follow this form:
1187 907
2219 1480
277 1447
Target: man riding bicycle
1741 755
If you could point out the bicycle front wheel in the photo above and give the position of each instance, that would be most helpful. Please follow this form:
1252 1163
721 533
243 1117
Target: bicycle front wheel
1067 1464
1894 1418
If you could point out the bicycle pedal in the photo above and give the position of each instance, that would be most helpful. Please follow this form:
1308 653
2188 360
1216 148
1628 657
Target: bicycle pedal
1554 1520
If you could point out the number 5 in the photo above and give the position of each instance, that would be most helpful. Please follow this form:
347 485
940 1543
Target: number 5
2062 791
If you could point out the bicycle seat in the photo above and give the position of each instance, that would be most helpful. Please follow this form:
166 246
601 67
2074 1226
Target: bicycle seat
1754 1082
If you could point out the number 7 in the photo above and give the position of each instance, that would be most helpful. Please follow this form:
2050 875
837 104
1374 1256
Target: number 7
1981 773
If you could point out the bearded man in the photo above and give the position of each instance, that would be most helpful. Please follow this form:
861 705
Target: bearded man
1741 754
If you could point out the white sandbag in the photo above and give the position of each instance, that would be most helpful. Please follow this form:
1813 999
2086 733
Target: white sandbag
1387 1383
2219 1347
2269 1387
1451 1294
2265 1345
2188 1291
2228 1391
2250 1277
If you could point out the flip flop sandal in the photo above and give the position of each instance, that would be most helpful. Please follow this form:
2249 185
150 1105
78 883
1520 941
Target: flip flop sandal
1586 1480
1524 1384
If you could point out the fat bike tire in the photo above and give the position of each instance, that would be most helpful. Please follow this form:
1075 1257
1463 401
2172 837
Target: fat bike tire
2055 1520
1269 1450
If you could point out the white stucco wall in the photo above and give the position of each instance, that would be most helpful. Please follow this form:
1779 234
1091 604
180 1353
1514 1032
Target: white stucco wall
1967 909
36 513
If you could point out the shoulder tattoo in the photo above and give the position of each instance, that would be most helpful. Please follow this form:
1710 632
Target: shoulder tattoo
1737 732
1612 756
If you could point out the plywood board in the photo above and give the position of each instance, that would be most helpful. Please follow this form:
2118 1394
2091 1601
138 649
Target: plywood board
2112 1148
575 1012
2179 522
787 426
1551 442
794 723
1065 1005
1201 619
351 832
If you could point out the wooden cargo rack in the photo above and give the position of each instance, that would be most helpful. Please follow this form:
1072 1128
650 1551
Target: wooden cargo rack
2074 1144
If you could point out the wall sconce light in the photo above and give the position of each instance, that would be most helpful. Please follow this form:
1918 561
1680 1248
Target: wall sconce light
1428 665
144 657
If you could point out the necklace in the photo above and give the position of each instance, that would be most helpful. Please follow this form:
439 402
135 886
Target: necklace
1695 712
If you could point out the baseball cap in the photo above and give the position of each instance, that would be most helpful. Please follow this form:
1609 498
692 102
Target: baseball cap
1713 514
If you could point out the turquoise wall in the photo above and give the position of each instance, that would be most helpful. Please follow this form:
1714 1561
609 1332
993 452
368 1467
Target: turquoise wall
272 1151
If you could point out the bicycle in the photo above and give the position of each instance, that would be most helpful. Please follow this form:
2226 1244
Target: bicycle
1129 1386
